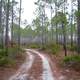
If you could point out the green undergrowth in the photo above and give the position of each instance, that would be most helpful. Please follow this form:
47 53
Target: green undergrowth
72 48
34 46
72 62
9 58
4 59
52 48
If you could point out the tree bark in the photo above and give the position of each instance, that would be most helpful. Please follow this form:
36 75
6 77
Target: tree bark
1 27
12 25
71 24
56 23
19 32
78 26
7 28
64 39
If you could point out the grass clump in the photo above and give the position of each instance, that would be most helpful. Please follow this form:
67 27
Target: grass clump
5 61
68 59
34 46
72 62
9 58
52 48
72 48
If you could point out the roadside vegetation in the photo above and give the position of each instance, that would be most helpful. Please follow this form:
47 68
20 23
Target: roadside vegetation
7 59
58 34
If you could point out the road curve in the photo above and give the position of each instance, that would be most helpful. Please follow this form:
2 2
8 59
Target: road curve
22 73
47 73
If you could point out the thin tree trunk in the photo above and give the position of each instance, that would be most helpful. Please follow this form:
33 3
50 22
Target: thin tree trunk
7 28
1 27
56 24
12 25
42 32
64 32
64 39
78 26
19 32
51 25
71 25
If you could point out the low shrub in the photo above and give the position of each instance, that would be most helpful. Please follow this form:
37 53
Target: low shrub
5 61
72 48
72 59
72 62
2 52
34 46
1 46
52 48
55 49
8 58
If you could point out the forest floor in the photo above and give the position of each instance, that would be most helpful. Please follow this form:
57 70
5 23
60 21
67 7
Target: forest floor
39 65
8 70
61 71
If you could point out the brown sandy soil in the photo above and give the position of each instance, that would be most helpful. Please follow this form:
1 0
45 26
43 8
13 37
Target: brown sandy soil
7 71
61 72
35 72
36 69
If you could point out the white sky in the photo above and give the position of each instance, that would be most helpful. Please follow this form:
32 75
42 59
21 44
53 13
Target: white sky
29 7
28 10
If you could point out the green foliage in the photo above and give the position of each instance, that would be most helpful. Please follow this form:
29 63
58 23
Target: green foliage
21 50
34 46
52 48
77 13
27 31
72 61
59 18
12 50
10 59
72 48
5 61
2 52
0 46
43 47
72 58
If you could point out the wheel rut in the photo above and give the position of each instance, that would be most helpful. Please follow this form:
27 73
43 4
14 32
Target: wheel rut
36 67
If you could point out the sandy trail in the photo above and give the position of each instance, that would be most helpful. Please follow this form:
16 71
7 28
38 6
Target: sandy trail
23 72
47 73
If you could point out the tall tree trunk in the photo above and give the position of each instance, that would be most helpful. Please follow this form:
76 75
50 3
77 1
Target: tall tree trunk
51 25
42 30
56 23
78 26
1 27
19 32
71 24
64 39
12 24
42 25
45 41
64 32
7 28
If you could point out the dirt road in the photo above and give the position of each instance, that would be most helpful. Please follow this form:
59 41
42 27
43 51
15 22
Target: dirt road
36 67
